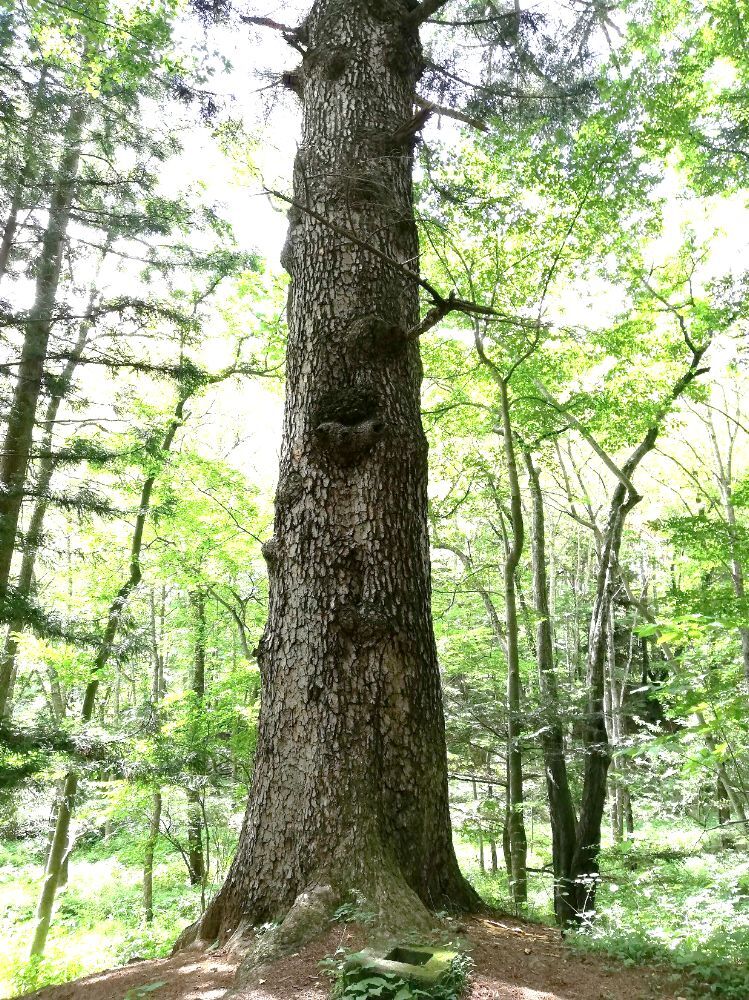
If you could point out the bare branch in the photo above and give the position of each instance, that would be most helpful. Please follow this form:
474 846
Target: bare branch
675 311
424 11
475 22
458 116
291 35
267 22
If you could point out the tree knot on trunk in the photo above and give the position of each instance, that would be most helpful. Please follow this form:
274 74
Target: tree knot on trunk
260 652
404 54
404 137
362 185
374 338
347 424
295 216
271 550
599 749
293 80
365 623
290 490
328 61
391 10
347 444
287 251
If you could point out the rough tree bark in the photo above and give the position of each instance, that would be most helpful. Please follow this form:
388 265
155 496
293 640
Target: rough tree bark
350 783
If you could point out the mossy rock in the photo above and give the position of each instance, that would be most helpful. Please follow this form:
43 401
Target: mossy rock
412 963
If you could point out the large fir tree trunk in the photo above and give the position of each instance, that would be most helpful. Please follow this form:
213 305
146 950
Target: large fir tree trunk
350 782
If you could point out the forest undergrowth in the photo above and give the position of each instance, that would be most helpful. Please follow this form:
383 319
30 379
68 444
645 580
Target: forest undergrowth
671 896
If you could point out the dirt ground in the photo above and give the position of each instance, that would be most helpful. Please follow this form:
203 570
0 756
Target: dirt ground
513 961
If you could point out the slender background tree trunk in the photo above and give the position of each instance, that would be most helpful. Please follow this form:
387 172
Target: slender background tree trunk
29 161
33 537
19 430
194 794
561 807
514 546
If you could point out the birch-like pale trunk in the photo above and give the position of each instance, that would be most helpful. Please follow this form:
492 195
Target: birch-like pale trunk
154 827
154 824
561 806
584 866
724 477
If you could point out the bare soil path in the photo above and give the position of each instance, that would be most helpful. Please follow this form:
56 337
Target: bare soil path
513 961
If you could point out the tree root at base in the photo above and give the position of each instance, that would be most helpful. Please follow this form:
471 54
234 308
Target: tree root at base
386 906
